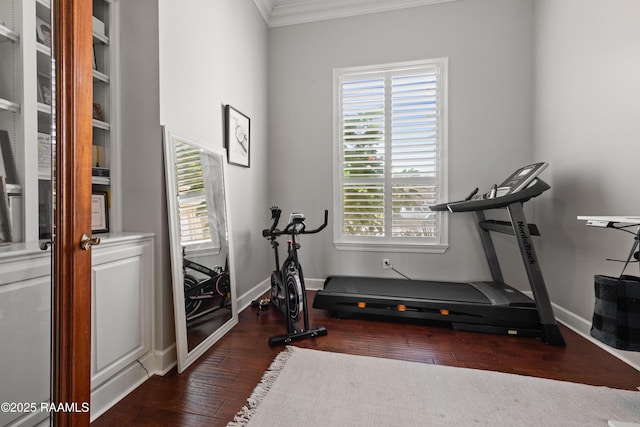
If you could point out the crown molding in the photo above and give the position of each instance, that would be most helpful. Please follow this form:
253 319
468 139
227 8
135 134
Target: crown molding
264 7
278 13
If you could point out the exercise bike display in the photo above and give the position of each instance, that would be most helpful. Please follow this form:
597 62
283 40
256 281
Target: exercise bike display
197 292
288 292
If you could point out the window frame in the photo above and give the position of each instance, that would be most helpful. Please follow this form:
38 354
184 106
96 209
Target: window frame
387 243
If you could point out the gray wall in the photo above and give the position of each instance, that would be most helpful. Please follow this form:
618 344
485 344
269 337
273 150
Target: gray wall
142 162
180 65
587 111
489 45
529 80
212 54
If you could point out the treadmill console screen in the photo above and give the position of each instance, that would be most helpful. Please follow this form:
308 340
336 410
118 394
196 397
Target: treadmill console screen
520 179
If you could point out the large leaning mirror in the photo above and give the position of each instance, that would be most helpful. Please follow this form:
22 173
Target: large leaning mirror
201 256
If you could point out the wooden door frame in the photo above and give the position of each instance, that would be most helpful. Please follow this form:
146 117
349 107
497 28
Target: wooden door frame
71 302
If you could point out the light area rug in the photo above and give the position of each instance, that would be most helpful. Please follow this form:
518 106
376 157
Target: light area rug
315 388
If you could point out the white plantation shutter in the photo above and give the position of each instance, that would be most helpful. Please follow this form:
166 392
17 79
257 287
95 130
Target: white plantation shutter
391 148
193 209
363 154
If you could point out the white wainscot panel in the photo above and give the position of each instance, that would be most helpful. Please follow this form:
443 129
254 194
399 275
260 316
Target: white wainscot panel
25 335
120 314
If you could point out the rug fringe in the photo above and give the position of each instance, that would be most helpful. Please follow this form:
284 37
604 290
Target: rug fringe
243 416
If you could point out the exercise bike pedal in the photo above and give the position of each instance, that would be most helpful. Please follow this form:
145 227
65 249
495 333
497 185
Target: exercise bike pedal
262 304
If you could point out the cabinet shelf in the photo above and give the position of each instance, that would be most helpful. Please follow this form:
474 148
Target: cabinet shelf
8 35
14 188
44 108
101 125
45 50
100 39
9 106
100 180
100 77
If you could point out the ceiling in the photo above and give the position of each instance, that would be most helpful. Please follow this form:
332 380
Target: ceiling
277 13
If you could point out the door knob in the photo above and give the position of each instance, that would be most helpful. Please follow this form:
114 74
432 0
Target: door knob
86 241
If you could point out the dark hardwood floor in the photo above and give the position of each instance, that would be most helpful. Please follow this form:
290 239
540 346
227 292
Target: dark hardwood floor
215 387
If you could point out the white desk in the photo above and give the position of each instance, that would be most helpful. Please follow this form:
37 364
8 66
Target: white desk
608 221
617 222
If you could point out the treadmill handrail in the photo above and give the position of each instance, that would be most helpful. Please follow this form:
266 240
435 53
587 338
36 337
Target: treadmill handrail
534 190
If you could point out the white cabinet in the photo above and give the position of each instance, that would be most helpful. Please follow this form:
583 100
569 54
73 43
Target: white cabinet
25 330
122 322
121 316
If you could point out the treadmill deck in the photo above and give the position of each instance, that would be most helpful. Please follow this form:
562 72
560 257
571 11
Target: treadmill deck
483 306
489 293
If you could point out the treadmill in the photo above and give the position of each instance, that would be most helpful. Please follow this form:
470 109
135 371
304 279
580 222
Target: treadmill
482 306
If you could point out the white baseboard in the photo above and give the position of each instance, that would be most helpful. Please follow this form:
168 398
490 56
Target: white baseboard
160 362
314 284
117 387
571 320
253 294
582 327
165 360
574 322
257 291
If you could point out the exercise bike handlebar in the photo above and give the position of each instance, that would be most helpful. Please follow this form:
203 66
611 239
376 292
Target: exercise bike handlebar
291 228
317 230
275 216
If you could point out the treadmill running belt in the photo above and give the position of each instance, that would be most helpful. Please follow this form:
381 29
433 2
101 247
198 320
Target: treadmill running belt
413 289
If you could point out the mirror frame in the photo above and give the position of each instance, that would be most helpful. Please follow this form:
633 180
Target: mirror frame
184 356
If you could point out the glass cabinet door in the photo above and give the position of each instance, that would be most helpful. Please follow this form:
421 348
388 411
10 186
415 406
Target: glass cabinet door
27 141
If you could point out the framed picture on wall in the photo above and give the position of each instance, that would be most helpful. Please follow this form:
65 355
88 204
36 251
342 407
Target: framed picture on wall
237 130
100 212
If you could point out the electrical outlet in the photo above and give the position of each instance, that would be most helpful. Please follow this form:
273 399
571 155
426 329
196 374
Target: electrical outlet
386 263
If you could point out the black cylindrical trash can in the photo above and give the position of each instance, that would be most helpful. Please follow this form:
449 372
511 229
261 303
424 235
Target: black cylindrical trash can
616 315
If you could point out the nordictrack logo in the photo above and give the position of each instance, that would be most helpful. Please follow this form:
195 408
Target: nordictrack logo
528 248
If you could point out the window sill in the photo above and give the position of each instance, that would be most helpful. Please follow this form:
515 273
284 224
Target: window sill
391 247
202 249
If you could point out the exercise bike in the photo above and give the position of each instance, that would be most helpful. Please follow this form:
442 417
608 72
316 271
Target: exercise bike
198 291
288 293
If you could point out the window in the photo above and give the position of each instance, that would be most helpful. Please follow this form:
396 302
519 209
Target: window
193 206
390 141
